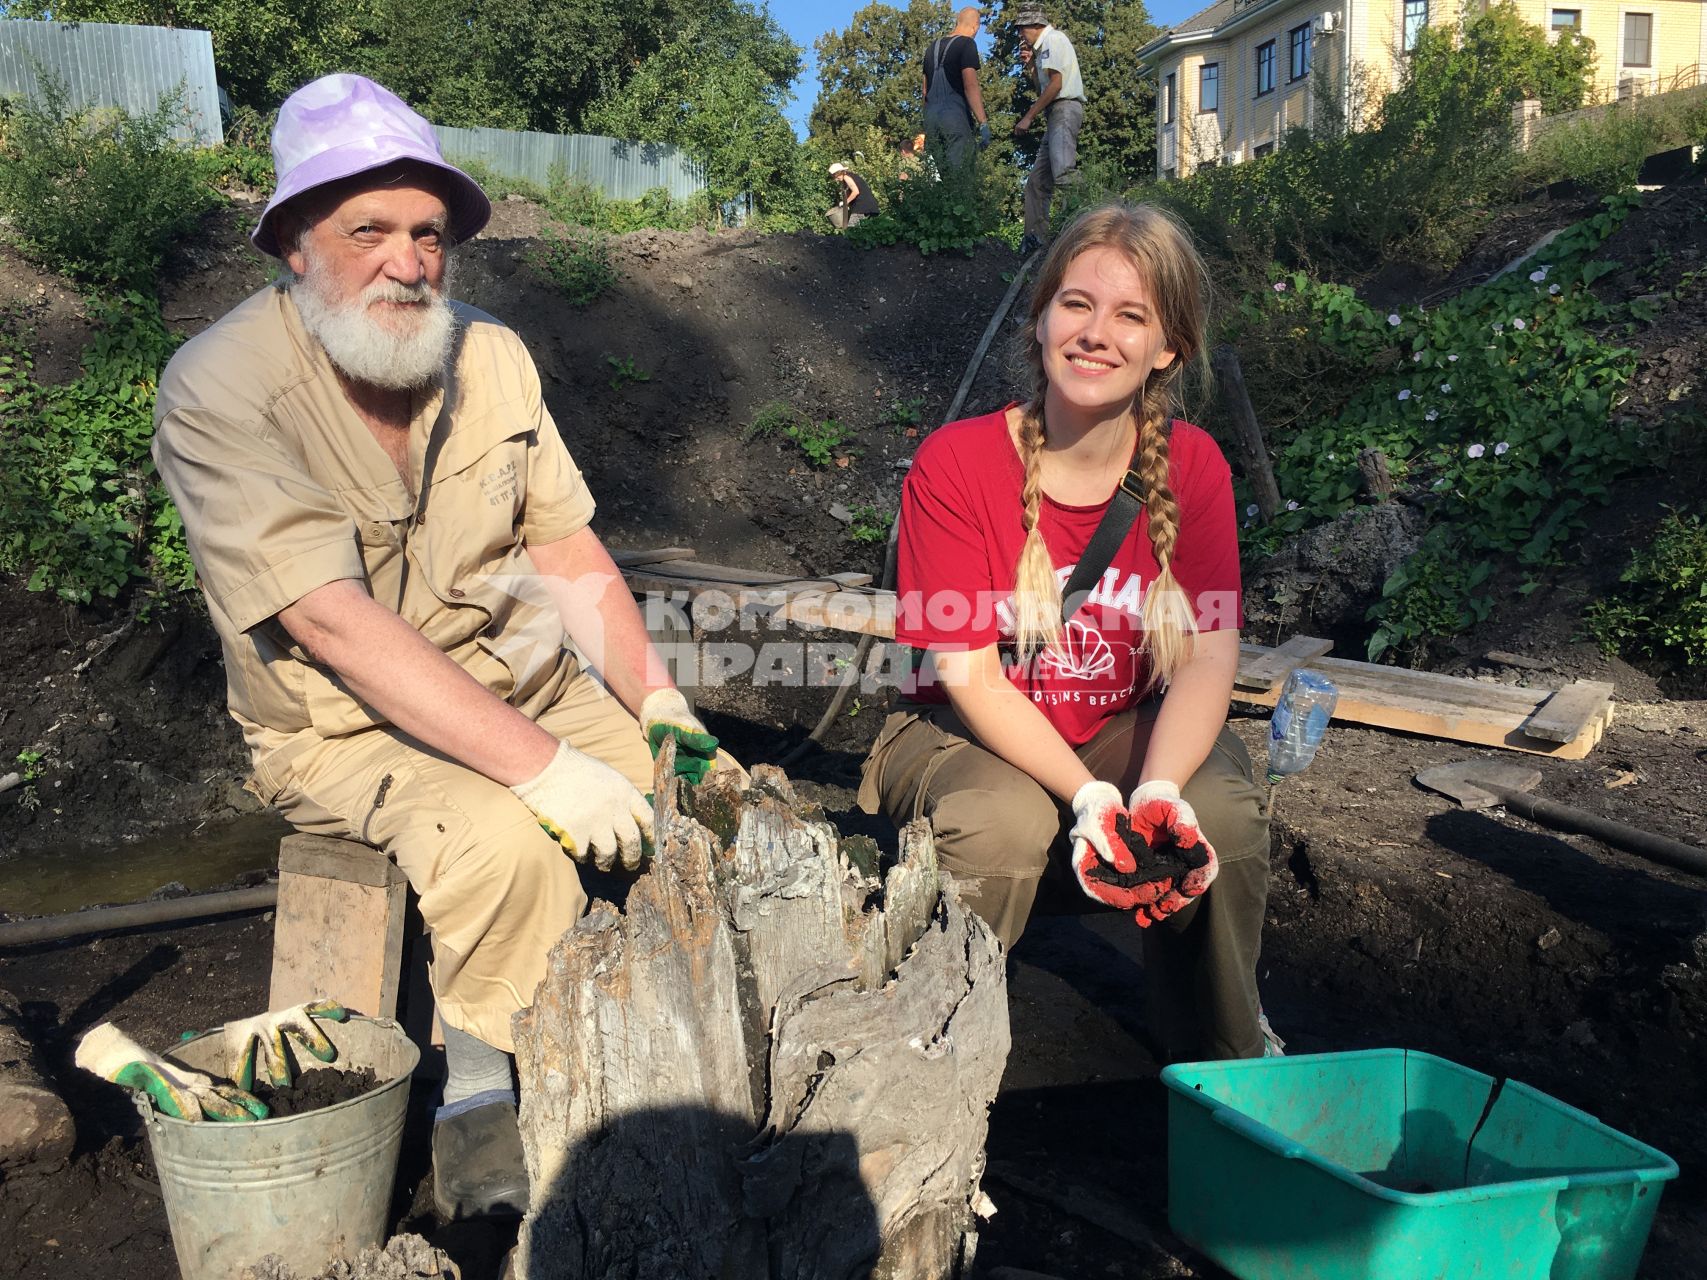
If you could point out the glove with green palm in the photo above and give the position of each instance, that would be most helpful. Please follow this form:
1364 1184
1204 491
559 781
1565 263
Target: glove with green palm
263 1037
665 714
175 1091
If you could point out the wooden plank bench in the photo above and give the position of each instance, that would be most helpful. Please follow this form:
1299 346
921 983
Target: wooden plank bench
338 931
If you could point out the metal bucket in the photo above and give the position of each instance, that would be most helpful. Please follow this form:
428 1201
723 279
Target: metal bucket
310 1187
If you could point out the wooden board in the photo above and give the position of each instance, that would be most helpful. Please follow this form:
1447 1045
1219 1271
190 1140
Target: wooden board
1437 706
1275 665
657 555
1570 712
338 931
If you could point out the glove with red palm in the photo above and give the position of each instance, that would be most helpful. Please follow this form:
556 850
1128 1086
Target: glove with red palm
1150 860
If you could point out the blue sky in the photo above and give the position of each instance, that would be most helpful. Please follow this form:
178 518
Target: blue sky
806 20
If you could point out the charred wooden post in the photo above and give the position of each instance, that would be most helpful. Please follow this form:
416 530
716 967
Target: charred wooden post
772 1064
1252 449
1377 479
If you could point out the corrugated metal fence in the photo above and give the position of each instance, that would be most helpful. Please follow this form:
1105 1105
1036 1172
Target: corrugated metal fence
107 65
622 170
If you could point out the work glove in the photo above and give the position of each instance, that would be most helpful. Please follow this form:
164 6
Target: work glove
263 1038
175 1091
1157 861
665 714
588 808
983 135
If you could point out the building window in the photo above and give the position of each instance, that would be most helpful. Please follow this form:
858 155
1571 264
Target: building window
1265 68
1262 149
1638 39
1168 98
1572 18
1416 18
1298 52
1209 87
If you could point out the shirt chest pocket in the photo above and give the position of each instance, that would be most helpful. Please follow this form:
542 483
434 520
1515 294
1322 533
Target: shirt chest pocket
471 514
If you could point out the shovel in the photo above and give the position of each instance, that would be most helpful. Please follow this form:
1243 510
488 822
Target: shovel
1479 784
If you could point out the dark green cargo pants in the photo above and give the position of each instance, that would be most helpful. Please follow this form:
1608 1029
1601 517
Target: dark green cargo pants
1002 837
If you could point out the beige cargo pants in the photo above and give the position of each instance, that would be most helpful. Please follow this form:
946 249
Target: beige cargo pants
1001 835
495 891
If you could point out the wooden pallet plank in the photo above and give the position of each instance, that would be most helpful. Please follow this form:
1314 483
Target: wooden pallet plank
1570 711
722 574
658 555
1275 665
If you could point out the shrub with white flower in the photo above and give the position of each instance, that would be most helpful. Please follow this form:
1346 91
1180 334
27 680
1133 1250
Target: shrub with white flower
1405 394
1538 276
1446 388
1476 450
1393 318
1280 286
1415 356
1499 328
1501 447
1291 505
1453 357
1519 323
1431 415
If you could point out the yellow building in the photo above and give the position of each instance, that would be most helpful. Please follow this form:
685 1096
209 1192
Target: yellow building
1231 79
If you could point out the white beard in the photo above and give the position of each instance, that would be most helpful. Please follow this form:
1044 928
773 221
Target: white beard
415 355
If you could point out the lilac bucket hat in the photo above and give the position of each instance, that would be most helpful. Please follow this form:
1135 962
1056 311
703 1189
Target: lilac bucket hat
342 125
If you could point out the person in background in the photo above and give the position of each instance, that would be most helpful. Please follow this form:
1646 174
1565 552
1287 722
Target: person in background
854 201
1061 100
954 103
1041 737
394 546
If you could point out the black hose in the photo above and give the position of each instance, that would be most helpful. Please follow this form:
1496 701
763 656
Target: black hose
77 924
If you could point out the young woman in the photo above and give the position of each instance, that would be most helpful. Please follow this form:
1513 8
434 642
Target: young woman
1098 741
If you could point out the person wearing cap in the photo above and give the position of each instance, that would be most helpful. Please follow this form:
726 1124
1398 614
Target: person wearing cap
854 202
954 103
1061 100
394 542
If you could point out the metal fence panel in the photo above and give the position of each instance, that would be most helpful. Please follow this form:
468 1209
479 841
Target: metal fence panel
622 170
107 65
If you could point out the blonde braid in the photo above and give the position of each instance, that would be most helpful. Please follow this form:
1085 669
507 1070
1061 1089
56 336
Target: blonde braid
1169 625
1037 591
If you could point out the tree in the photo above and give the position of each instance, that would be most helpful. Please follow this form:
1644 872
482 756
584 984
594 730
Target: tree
717 89
1118 141
871 77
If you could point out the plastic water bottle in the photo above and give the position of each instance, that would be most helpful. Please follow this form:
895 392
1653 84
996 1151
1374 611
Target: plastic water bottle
1299 721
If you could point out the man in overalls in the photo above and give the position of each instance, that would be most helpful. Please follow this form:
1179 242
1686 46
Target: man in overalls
953 100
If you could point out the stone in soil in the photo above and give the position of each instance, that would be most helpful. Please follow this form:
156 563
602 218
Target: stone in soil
317 1089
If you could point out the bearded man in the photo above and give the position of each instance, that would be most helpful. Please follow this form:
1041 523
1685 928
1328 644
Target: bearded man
394 542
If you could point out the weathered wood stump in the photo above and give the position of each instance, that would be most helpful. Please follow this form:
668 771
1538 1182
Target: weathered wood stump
774 1064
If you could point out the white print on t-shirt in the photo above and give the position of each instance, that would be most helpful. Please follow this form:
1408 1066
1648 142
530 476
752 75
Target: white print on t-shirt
1084 655
1128 598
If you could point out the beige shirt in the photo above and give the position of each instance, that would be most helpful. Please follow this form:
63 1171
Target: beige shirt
283 488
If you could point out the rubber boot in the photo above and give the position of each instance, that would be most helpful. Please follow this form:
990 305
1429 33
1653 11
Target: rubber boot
478 1170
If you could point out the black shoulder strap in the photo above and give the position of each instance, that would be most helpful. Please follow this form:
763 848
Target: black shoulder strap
1123 511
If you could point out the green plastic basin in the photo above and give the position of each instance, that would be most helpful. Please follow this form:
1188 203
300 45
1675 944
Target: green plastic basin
1388 1164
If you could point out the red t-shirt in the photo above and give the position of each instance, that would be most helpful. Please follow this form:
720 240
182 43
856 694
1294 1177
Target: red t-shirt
961 535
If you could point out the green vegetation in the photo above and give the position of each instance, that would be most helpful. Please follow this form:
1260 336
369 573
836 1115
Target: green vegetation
81 510
904 414
624 371
1496 405
99 195
577 261
821 442
869 524
1661 607
1605 153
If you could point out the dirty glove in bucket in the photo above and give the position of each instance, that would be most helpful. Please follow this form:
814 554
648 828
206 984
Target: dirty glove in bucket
175 1091
588 808
665 714
261 1040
